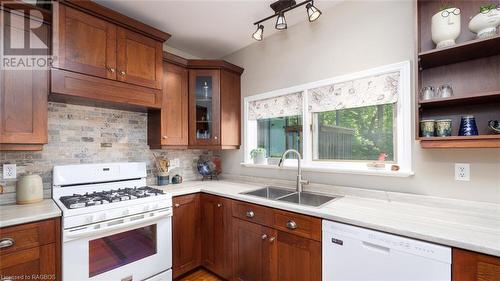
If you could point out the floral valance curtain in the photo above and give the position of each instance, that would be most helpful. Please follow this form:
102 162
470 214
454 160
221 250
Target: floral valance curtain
281 106
368 91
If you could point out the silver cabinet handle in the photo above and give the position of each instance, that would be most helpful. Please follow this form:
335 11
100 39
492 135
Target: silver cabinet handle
112 70
122 73
272 239
219 205
291 225
216 137
165 137
177 205
264 236
250 214
6 243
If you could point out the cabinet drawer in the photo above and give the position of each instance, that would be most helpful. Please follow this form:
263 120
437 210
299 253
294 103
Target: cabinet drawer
253 213
17 238
305 226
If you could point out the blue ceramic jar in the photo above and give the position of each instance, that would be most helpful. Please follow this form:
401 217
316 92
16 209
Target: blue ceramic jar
468 126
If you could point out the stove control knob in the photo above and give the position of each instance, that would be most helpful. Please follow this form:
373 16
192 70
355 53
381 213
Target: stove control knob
146 208
126 212
88 219
102 216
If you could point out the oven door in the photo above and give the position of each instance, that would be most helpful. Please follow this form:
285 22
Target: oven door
130 248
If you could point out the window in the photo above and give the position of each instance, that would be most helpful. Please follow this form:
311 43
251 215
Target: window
277 135
358 134
357 123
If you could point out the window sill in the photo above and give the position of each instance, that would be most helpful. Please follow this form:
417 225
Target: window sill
336 170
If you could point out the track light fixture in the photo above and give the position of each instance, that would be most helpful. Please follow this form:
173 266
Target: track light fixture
281 22
259 33
280 7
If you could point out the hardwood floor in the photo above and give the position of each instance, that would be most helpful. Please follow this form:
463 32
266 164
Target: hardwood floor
200 275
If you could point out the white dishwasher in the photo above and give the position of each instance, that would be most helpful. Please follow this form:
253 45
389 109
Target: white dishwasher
357 254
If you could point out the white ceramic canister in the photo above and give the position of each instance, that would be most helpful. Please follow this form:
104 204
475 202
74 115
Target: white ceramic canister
445 27
29 189
485 24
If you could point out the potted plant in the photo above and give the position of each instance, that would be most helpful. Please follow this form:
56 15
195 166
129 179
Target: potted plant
259 155
445 26
485 23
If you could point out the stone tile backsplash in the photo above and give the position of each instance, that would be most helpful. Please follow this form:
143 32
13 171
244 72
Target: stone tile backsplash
81 134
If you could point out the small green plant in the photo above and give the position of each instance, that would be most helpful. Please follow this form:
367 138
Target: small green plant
486 8
445 7
257 151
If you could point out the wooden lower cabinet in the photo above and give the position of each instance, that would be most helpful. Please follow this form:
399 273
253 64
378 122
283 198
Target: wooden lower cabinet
254 251
471 266
216 234
34 253
186 252
299 259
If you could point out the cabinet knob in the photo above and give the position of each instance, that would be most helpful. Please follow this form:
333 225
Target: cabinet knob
272 239
219 205
216 137
177 205
6 243
291 225
112 70
264 236
122 73
165 137
250 214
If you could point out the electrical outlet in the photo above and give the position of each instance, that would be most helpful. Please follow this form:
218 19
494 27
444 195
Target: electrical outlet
175 163
462 172
9 171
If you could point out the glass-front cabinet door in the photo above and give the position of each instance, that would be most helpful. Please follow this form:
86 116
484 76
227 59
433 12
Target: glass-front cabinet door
204 103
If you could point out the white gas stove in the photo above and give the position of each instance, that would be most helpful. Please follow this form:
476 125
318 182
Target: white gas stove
115 227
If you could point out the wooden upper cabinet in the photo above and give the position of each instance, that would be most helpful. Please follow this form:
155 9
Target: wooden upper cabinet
174 125
186 252
102 55
204 107
23 99
139 59
470 266
84 43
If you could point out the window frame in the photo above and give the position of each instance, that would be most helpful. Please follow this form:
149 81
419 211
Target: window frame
403 125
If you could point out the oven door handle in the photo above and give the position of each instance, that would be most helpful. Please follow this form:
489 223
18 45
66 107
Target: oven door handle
121 223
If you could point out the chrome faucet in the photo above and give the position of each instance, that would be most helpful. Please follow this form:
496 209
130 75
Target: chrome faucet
300 181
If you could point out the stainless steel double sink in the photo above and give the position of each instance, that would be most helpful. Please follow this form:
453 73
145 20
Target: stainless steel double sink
291 196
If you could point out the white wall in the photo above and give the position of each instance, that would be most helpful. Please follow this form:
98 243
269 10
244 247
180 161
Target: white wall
178 52
353 36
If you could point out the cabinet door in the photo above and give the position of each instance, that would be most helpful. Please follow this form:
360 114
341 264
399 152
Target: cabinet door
174 112
84 43
230 109
216 234
254 253
299 259
139 59
23 95
204 107
470 266
186 240
34 262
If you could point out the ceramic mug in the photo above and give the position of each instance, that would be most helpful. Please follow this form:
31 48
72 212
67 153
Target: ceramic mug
468 126
427 128
443 128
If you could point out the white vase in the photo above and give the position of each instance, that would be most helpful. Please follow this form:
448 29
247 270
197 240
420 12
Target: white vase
485 25
445 30
260 159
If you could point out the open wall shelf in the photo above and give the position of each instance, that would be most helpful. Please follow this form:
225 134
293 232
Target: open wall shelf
471 68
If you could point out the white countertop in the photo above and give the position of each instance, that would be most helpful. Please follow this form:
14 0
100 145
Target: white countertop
468 225
13 214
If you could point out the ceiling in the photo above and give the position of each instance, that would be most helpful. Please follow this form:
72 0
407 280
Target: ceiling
208 29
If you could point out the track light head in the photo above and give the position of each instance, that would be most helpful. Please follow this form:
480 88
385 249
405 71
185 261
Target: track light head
281 22
259 33
313 13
